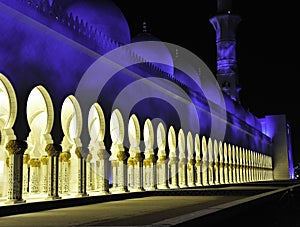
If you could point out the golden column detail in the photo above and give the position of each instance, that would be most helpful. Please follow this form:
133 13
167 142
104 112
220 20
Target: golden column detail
103 171
53 151
65 158
15 150
44 173
26 159
35 164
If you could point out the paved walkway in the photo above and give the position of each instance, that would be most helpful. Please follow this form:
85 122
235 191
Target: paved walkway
179 208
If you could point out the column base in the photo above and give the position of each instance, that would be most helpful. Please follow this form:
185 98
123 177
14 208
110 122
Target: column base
173 186
118 190
14 201
137 189
81 195
162 187
104 192
52 198
183 186
191 185
150 189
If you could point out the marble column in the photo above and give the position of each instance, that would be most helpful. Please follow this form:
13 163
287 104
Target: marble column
34 187
53 151
150 174
191 172
135 171
161 166
103 172
130 172
44 174
89 173
121 172
26 159
81 172
182 167
15 150
172 166
65 172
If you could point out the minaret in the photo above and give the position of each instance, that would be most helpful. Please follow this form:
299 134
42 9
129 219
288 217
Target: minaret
225 24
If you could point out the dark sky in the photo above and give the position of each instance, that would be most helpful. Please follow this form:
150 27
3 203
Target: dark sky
267 47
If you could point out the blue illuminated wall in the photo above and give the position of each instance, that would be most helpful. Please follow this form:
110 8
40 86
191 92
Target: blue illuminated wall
38 48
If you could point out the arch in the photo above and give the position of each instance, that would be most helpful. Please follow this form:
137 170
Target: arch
172 139
8 104
189 143
8 114
181 142
229 153
161 136
221 155
204 148
134 134
197 147
237 161
40 118
39 109
210 150
71 118
225 152
233 154
96 123
216 151
117 127
148 133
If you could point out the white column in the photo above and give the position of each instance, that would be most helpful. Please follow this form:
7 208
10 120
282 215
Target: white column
230 172
204 162
65 172
26 159
233 164
149 170
15 150
34 176
237 165
226 180
44 174
198 168
210 162
161 170
221 163
216 163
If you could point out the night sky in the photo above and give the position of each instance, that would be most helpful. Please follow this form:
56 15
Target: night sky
267 47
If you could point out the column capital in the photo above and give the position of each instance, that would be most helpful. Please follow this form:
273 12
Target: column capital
35 162
44 160
65 156
26 158
79 153
53 149
89 157
16 147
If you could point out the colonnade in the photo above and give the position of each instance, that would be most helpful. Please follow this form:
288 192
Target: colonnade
40 169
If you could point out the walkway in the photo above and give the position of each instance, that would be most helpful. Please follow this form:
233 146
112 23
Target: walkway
210 206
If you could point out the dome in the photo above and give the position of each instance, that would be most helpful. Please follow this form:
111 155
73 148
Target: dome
103 15
160 52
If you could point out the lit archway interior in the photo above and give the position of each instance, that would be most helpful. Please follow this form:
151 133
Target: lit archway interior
8 113
40 118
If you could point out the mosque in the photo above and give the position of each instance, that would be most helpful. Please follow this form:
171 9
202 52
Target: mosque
86 109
